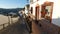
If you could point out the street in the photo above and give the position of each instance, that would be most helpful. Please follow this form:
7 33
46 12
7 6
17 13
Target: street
17 28
40 27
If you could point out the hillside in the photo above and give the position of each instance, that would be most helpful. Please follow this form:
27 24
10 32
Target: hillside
5 11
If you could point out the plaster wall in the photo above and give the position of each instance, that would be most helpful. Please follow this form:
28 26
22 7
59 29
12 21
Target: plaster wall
56 10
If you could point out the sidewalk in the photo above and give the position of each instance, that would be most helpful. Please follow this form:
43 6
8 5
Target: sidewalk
35 29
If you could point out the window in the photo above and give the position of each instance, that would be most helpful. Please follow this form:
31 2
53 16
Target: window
48 9
31 9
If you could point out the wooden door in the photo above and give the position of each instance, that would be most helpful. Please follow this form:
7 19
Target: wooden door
43 11
31 10
37 12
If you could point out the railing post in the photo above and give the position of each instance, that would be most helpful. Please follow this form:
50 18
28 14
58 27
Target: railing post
3 26
8 23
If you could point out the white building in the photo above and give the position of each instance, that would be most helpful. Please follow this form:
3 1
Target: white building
27 9
39 7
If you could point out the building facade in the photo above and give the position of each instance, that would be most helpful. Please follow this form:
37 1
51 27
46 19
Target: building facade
27 9
47 9
41 9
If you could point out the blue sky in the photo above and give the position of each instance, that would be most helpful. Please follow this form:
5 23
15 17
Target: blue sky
12 3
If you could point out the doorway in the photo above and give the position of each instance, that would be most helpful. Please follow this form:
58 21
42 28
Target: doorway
37 12
47 9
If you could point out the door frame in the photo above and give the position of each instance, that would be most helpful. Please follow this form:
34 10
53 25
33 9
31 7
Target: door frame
37 9
49 4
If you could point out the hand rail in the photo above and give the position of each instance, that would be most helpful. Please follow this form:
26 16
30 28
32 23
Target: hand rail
29 20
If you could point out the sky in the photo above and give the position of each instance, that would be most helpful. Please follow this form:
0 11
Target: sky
12 3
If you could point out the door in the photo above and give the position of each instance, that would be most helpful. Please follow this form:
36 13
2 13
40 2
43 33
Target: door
48 8
43 11
31 10
37 12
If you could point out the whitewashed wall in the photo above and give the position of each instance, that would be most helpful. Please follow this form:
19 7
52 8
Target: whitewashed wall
26 11
34 5
56 10
56 13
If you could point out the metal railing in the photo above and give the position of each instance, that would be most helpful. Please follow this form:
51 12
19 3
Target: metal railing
29 23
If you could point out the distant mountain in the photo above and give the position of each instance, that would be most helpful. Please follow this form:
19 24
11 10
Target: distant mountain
10 10
5 11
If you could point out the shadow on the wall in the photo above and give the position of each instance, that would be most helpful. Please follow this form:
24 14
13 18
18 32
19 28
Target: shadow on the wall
56 21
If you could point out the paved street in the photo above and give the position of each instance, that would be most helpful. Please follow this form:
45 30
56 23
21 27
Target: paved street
41 27
44 27
35 29
17 28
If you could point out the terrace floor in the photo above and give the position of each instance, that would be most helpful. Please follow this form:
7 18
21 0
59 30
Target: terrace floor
41 27
17 28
